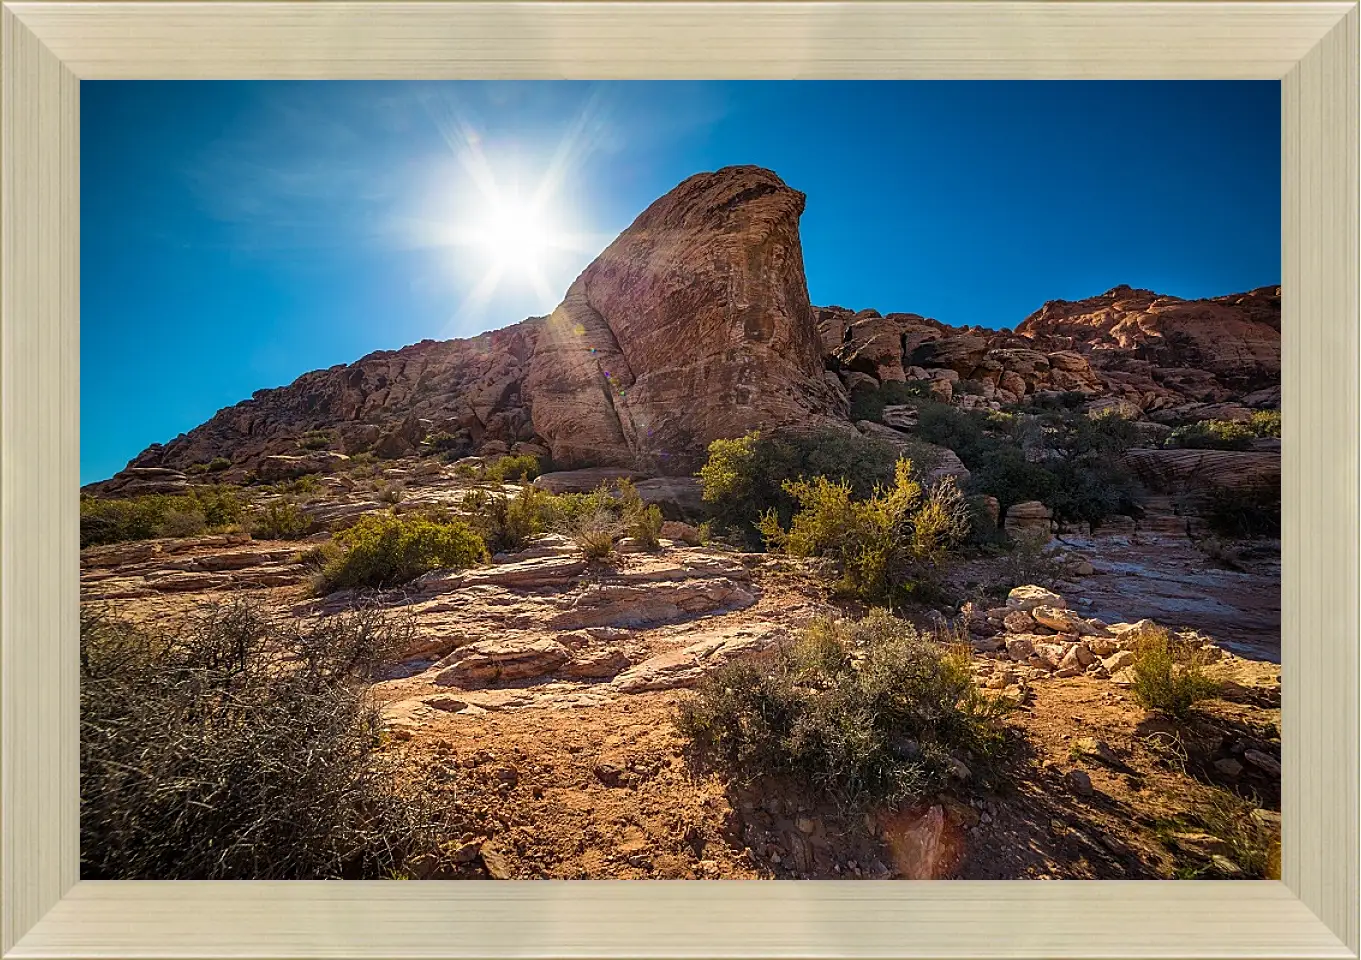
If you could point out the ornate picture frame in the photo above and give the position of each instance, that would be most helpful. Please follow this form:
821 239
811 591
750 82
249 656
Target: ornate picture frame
49 47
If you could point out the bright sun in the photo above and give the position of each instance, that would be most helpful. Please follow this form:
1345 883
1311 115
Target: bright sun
516 237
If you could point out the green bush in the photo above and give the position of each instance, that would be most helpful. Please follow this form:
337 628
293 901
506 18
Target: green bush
518 468
316 440
744 478
869 404
383 550
1062 458
218 464
1169 673
307 483
508 523
280 520
641 521
1251 511
1266 423
199 510
521 467
444 442
234 745
1212 435
866 712
883 545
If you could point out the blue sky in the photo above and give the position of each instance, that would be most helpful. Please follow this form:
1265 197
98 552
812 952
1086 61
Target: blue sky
237 234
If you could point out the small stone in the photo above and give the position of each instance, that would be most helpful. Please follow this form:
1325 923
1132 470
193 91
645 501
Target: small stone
1270 819
1019 621
1019 648
498 867
1263 762
1118 661
608 774
1096 749
1229 767
1226 867
958 769
466 853
1079 783
1030 596
805 825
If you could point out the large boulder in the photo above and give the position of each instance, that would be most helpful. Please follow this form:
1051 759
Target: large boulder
693 325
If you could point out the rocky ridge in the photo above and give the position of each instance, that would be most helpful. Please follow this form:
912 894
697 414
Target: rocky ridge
704 297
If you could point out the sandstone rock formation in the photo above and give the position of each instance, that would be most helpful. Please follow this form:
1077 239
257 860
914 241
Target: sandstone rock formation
695 324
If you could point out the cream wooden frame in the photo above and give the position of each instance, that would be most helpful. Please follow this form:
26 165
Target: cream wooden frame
48 47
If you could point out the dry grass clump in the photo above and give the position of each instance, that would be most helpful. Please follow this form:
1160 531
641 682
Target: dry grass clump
867 712
1169 673
232 745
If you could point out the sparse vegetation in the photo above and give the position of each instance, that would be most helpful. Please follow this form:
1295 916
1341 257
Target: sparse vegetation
316 440
1250 511
867 712
518 468
1062 458
308 483
383 550
280 520
641 521
1169 673
884 545
596 533
201 509
234 745
1226 434
744 478
504 522
869 404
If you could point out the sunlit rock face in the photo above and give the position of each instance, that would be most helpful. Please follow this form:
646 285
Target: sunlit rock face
693 325
1235 338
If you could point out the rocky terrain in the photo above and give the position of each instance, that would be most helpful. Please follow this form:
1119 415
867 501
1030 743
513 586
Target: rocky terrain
546 682
705 296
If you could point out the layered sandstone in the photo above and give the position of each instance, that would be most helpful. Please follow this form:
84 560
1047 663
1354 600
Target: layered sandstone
693 325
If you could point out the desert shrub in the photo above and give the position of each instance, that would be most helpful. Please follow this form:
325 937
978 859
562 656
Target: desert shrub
869 404
866 712
307 483
1212 435
1266 423
507 523
383 550
744 478
1249 511
316 440
1252 844
596 533
642 521
518 467
882 545
444 442
218 464
389 492
231 745
280 520
1169 673
1064 459
199 510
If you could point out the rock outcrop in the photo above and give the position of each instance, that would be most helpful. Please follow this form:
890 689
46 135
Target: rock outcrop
693 325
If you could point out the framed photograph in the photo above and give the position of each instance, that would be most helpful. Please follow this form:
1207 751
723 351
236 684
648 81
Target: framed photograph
889 453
